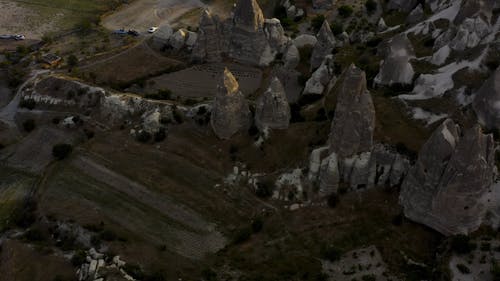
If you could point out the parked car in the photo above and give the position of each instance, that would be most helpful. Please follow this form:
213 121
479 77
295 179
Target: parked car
153 29
133 32
120 32
19 37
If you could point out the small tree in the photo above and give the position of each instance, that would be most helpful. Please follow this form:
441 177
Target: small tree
29 125
317 21
345 11
371 6
62 150
72 61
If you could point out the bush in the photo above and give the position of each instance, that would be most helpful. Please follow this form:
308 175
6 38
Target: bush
62 150
257 225
242 235
29 125
333 200
178 116
317 22
24 216
461 244
345 11
27 103
337 28
263 190
134 271
160 135
163 94
368 277
208 274
331 253
143 136
463 269
253 130
34 235
371 6
78 258
72 61
495 271
108 235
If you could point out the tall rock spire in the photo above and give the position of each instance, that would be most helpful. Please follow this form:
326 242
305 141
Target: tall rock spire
324 46
230 111
248 16
272 108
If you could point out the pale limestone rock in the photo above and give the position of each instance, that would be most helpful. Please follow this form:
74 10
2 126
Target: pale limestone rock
230 112
354 120
396 67
208 46
304 40
321 78
272 109
324 45
292 56
453 171
487 102
329 177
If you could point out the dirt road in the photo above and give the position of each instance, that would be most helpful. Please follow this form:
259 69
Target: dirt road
142 14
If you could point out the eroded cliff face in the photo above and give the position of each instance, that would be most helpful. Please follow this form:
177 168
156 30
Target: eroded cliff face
230 112
272 109
354 121
487 102
247 37
453 171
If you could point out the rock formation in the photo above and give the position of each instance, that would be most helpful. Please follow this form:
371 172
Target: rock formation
304 40
452 173
396 67
416 15
324 45
354 121
230 112
161 37
321 78
246 37
178 39
487 102
322 4
272 110
470 33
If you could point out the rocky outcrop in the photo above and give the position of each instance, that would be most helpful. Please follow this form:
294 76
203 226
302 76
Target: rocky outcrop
354 121
487 102
402 5
321 78
304 40
230 112
322 4
207 47
381 25
470 33
324 45
396 67
292 56
452 173
416 15
178 39
246 37
272 110
161 37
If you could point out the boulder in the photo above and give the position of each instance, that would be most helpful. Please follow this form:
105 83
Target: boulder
354 120
487 102
396 67
230 111
304 40
321 78
178 39
470 33
315 161
272 109
453 171
292 56
275 35
191 39
324 46
381 25
329 177
161 37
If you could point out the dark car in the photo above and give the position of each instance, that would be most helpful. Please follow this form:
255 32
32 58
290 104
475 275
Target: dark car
133 32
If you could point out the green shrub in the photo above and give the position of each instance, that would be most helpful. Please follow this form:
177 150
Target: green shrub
72 60
463 269
78 258
345 11
495 271
317 22
461 244
331 253
242 235
371 6
27 103
29 125
257 225
143 136
333 200
337 28
61 150
134 271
